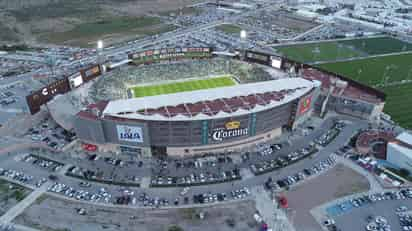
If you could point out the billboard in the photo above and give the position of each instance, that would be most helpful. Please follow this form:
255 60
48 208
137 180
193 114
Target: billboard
231 129
276 62
75 80
44 95
257 57
305 104
129 133
90 73
169 53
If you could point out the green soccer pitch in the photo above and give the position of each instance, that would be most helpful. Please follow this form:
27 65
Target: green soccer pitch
190 85
391 74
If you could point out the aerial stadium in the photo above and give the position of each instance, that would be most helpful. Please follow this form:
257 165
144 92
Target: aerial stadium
180 102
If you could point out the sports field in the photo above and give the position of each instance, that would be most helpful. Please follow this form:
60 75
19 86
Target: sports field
190 85
343 49
383 73
374 71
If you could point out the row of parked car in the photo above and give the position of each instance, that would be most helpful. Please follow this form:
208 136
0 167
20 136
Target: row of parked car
405 218
331 134
281 161
196 178
211 160
41 162
87 174
209 197
51 134
368 199
101 196
267 149
323 165
21 177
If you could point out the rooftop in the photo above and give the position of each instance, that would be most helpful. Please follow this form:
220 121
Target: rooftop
212 103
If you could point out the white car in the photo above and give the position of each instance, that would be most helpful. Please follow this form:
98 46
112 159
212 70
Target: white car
184 191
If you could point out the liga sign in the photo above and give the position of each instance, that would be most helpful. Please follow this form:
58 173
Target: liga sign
232 129
130 133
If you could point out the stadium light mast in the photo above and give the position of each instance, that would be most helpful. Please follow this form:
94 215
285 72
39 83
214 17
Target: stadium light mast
243 36
100 58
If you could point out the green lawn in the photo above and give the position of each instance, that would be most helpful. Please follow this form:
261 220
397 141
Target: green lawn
312 52
190 85
381 45
11 194
398 104
229 28
344 49
373 71
376 71
85 34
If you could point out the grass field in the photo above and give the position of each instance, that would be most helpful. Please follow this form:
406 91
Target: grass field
344 49
86 34
10 195
374 71
398 104
229 28
381 71
190 85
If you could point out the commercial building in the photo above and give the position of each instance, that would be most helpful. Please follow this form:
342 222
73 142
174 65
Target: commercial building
399 151
203 121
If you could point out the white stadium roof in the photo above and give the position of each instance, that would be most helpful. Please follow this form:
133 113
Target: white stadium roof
163 107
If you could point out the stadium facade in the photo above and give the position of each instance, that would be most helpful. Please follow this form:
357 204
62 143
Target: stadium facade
203 121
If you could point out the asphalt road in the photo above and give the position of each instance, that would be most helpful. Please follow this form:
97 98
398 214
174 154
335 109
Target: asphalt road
172 193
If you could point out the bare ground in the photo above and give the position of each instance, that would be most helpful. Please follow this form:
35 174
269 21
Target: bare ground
57 214
28 20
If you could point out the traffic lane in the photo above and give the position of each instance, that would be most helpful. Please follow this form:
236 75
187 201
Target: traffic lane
172 193
289 170
356 219
297 143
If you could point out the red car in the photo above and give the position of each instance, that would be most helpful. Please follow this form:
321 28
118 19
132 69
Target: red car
90 147
283 201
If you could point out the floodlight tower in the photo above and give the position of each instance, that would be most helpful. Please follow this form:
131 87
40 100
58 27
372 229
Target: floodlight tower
100 56
243 37
99 51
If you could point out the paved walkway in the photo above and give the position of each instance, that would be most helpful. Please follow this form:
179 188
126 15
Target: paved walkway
20 207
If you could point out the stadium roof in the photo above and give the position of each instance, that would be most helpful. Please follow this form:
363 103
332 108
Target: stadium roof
212 103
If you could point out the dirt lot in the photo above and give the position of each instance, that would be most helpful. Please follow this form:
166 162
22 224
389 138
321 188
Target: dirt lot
55 214
337 182
10 195
44 20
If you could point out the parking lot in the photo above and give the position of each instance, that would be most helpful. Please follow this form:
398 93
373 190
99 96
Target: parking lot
49 133
359 218
337 182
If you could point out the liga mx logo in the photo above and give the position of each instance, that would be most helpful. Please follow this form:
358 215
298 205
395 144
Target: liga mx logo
130 134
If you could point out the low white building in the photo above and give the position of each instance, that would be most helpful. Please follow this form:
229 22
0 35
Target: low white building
399 151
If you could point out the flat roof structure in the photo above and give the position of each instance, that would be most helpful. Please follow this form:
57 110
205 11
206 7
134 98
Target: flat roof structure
212 103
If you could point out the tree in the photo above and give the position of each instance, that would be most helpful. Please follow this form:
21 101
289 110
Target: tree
404 172
175 228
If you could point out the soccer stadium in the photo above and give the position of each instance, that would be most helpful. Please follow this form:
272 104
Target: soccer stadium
184 106
178 104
